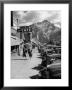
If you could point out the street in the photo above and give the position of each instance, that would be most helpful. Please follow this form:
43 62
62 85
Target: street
22 68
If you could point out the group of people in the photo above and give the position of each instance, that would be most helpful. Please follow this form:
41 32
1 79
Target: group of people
25 50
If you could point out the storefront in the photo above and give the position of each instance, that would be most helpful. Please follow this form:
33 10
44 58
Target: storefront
15 42
25 33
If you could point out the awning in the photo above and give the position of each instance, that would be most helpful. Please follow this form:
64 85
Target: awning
15 41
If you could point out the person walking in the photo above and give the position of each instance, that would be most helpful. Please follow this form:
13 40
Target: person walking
30 53
24 51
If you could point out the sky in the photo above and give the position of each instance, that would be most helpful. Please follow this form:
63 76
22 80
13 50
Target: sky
30 17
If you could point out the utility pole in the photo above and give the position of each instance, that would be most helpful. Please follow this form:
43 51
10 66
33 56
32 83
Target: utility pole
11 18
17 23
17 29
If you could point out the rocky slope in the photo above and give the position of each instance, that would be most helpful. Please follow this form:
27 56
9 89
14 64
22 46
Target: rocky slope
46 32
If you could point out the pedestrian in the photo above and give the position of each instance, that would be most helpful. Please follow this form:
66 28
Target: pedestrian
24 51
30 53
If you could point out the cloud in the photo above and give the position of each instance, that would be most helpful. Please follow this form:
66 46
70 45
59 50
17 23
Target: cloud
30 17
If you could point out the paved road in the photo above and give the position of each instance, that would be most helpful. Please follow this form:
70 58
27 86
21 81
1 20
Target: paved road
21 68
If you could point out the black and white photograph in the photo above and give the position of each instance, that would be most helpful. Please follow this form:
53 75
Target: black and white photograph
36 44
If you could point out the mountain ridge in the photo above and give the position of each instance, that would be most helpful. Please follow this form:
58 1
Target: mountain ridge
45 32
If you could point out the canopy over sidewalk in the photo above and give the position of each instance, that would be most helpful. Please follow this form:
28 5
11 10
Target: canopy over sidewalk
15 41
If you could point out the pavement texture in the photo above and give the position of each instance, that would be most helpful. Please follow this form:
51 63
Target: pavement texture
22 68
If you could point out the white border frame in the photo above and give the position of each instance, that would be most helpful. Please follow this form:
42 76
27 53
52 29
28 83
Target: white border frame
64 37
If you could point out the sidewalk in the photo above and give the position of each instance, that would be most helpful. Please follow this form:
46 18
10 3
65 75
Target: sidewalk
21 68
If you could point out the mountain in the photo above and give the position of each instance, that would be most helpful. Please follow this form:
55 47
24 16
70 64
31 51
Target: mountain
46 32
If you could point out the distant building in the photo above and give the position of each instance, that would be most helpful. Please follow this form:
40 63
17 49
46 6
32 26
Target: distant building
14 39
25 33
13 31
